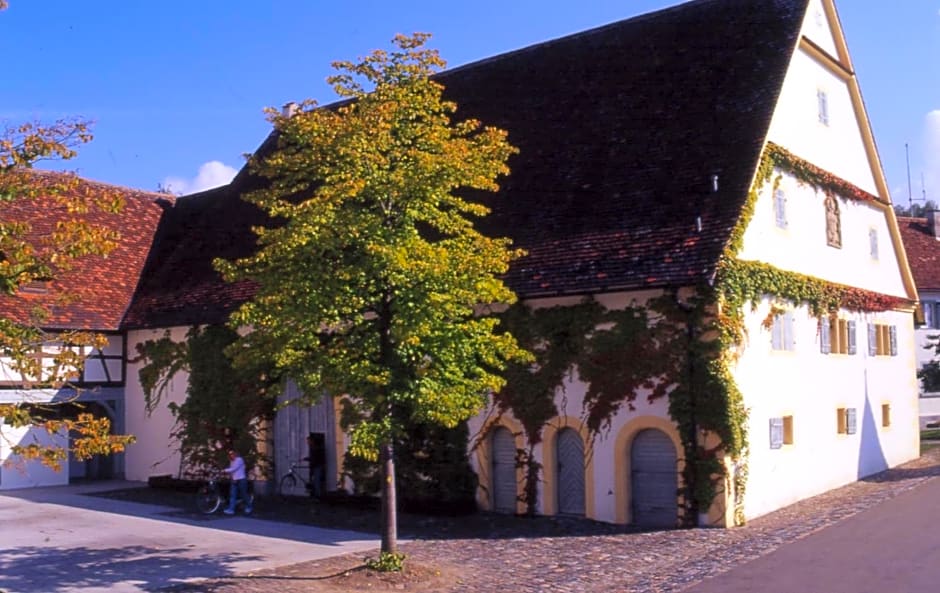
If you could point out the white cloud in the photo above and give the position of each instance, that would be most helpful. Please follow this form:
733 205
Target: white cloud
211 174
932 155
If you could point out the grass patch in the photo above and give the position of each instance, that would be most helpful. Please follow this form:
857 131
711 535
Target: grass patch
933 433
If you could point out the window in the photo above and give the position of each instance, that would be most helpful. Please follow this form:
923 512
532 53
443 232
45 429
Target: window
780 208
882 339
846 421
781 331
885 415
931 318
833 222
781 432
822 102
873 243
836 336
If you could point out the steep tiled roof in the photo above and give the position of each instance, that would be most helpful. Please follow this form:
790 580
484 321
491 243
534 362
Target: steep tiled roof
620 130
98 289
923 252
180 286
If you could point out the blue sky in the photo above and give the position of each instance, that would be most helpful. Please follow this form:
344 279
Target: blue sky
176 86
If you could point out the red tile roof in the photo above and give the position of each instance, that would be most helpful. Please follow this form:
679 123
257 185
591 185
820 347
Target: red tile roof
923 252
97 291
620 130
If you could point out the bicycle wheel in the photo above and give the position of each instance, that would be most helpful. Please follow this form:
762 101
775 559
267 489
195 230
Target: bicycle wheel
208 499
287 485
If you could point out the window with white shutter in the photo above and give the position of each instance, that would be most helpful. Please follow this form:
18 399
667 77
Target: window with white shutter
781 332
822 102
780 208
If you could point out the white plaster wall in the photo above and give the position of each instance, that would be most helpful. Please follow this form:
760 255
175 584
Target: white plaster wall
810 386
802 247
816 28
16 473
837 147
155 452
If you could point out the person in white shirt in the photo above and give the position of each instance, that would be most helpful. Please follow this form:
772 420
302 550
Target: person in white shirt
239 485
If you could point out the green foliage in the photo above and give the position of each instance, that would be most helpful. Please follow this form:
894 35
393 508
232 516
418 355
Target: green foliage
225 406
929 374
916 210
377 283
432 470
386 562
557 338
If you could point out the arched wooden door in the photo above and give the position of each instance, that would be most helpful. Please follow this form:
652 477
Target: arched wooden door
654 479
569 450
503 470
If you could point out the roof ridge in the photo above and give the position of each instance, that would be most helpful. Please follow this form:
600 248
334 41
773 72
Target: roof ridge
103 184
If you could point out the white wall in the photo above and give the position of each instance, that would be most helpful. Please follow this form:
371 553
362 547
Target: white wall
836 147
155 452
16 473
817 28
810 386
802 246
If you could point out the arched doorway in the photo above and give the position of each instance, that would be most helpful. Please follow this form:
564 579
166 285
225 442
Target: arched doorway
654 479
569 451
503 470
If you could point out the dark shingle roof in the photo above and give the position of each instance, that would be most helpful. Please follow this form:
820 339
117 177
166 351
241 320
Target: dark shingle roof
619 128
923 252
95 293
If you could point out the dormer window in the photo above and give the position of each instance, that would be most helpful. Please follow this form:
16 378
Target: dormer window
822 102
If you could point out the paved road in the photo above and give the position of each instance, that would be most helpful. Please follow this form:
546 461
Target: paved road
57 540
891 548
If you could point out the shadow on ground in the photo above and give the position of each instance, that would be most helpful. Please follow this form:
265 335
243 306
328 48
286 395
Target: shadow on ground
306 511
48 570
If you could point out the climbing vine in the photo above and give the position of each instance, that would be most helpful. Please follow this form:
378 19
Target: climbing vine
681 349
225 406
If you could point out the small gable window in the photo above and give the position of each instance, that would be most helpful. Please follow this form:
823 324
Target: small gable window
873 243
781 332
833 222
822 103
780 209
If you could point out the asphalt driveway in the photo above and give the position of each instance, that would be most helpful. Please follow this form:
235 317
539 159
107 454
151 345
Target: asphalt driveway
59 540
892 547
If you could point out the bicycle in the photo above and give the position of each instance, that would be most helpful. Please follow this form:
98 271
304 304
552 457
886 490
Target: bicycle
211 495
286 487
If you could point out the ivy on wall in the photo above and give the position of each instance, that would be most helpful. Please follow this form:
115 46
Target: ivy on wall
225 407
683 350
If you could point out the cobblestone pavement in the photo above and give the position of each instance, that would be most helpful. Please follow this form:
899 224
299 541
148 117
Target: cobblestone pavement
654 562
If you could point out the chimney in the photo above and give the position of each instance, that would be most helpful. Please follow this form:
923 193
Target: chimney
932 216
289 109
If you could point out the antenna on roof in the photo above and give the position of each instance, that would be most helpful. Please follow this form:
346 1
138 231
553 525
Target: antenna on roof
923 187
910 198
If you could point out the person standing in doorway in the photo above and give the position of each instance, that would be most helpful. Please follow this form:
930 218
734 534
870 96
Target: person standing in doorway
239 485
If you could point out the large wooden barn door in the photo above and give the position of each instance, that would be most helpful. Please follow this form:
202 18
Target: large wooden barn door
570 455
503 448
654 479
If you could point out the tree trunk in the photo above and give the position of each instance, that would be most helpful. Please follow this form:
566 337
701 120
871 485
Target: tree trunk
389 504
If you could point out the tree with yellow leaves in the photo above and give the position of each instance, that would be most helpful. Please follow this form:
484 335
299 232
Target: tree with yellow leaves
377 285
